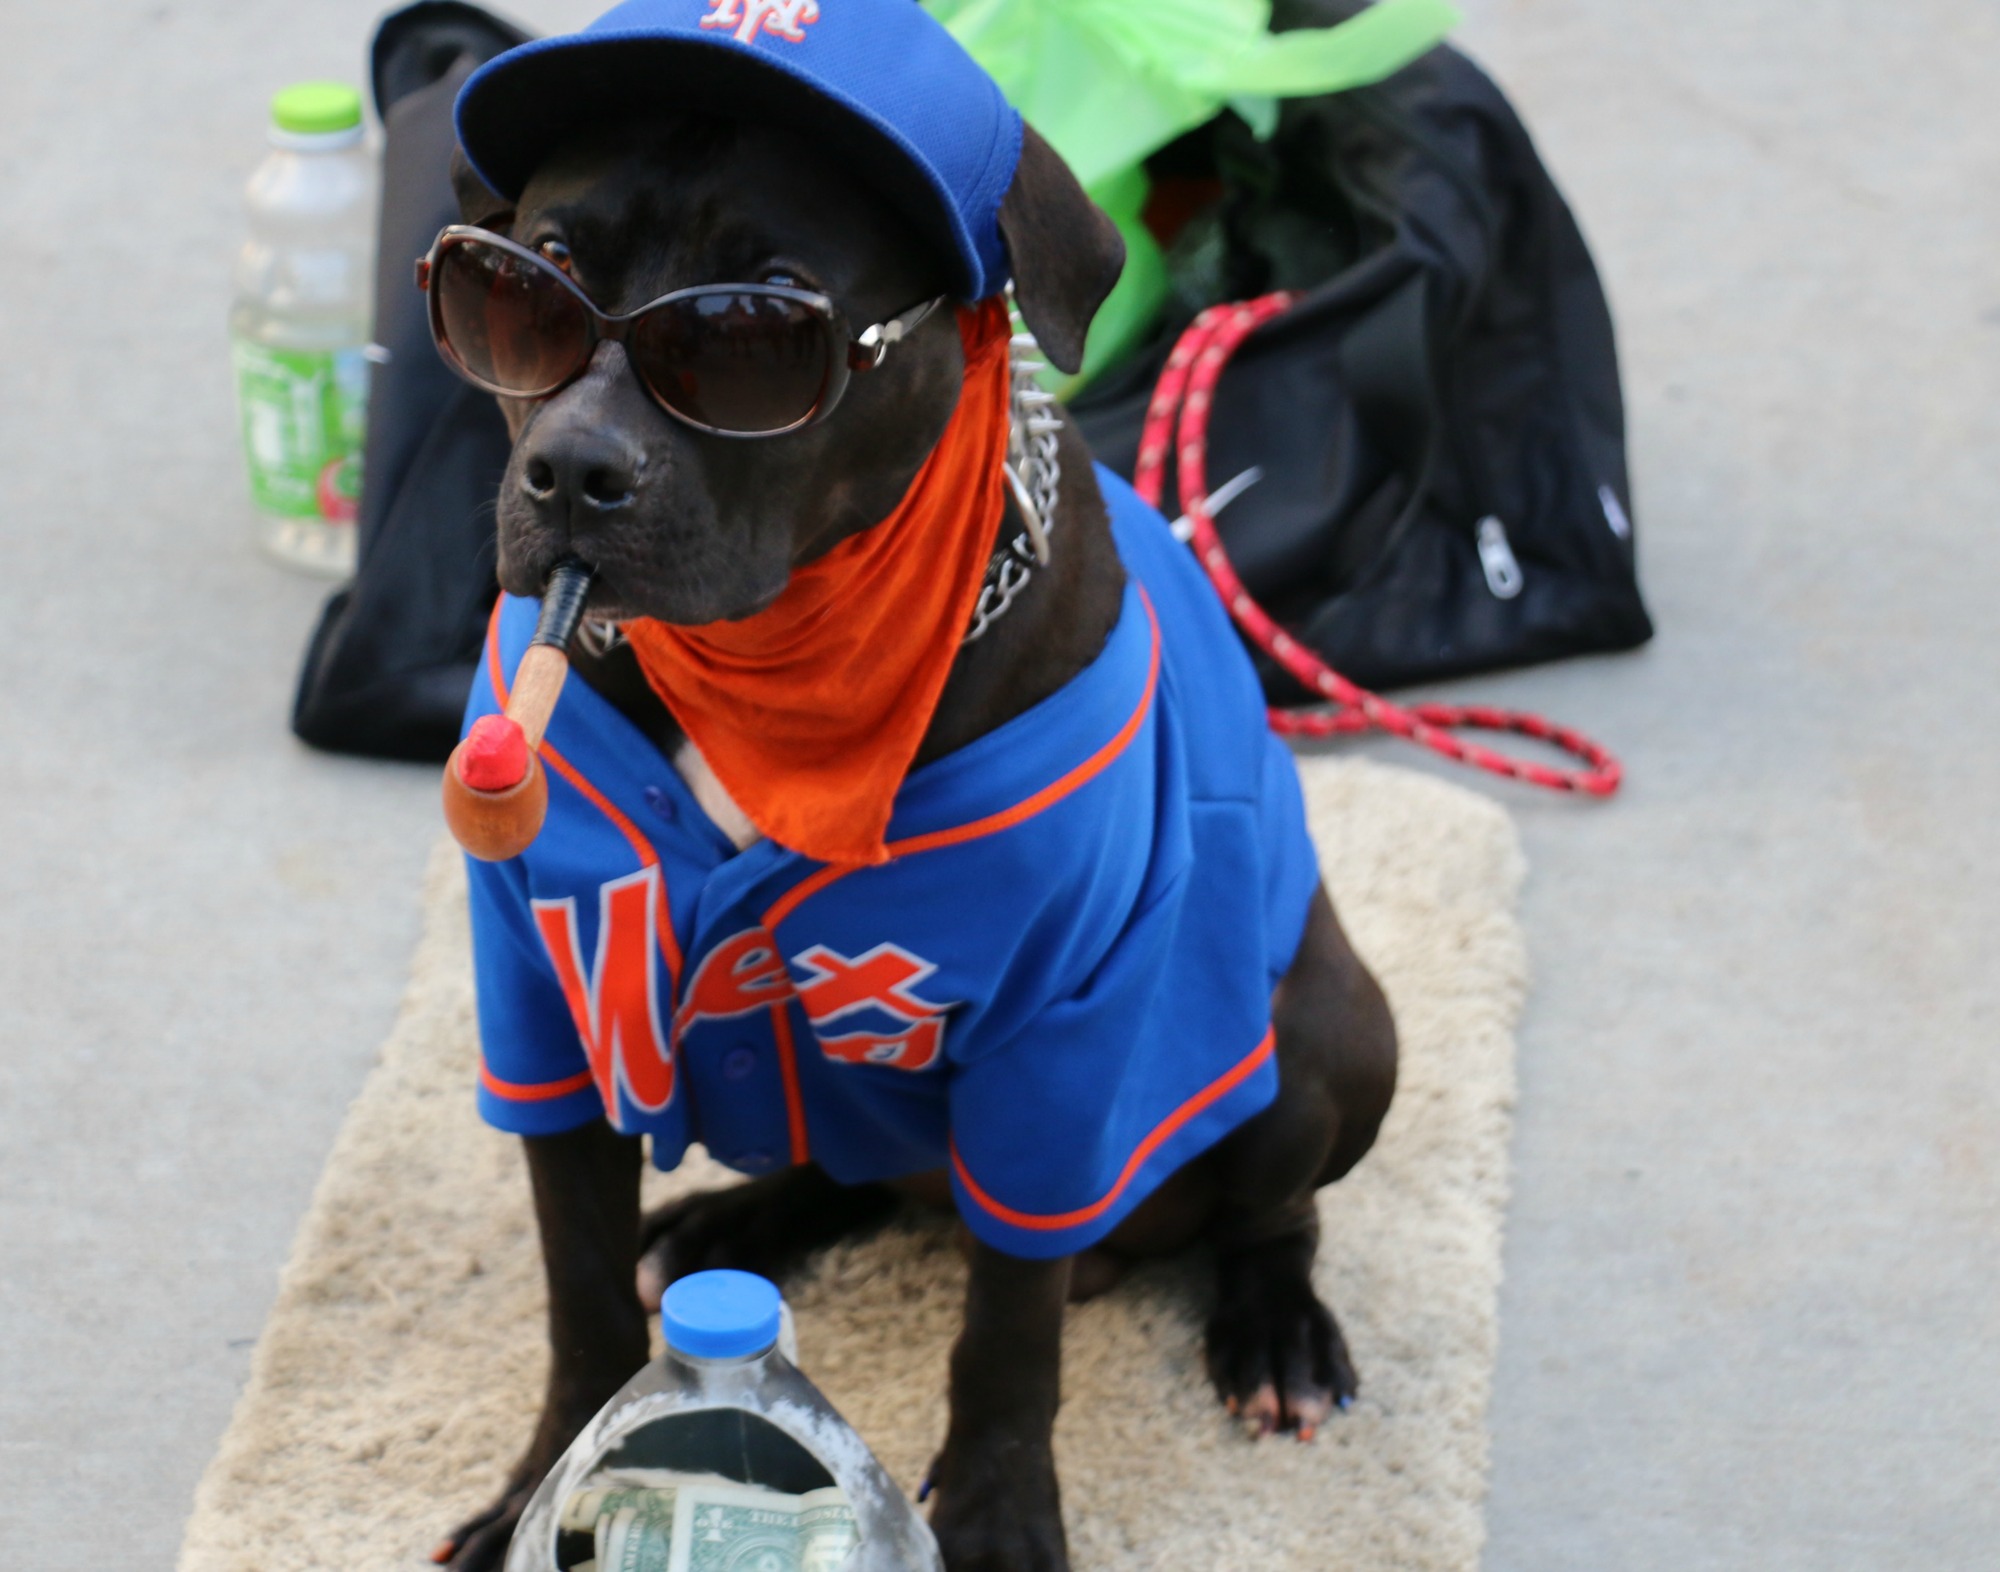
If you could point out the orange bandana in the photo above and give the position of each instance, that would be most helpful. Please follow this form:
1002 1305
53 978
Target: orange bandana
810 711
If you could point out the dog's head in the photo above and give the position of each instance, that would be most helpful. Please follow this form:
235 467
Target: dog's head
689 527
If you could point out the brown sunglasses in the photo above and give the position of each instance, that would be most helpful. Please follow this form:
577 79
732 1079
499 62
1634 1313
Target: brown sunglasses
732 360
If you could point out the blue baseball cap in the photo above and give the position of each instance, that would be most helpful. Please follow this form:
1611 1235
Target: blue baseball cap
877 81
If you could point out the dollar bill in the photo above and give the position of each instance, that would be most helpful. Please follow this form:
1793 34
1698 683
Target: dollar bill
603 1495
827 1532
736 1528
635 1540
650 1520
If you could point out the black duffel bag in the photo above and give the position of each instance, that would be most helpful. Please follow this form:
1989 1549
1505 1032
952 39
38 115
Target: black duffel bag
1436 424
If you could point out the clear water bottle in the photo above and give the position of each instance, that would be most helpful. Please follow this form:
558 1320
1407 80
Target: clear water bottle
720 1455
300 324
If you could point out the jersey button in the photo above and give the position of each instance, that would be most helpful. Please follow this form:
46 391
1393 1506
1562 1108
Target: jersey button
754 1162
738 1062
658 800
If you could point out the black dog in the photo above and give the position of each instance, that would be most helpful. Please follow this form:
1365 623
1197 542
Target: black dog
689 529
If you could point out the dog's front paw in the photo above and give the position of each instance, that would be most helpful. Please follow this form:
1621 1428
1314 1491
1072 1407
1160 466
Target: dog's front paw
1275 1353
997 1509
479 1544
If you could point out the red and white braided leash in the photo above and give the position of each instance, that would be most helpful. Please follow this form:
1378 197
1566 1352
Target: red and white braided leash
1186 390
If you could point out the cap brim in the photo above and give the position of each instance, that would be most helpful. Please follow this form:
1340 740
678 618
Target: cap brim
517 109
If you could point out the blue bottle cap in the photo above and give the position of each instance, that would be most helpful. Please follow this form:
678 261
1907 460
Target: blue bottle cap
720 1315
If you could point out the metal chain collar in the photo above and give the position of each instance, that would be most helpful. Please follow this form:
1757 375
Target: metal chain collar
1034 476
1033 470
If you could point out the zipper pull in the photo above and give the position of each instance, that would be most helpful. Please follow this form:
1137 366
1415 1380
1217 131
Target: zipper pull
1218 499
1503 572
1614 513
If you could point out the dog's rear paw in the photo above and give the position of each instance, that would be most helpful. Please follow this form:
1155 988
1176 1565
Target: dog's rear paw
1275 1353
479 1544
766 1226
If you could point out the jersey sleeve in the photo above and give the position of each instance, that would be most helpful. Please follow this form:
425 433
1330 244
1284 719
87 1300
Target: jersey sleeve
533 1076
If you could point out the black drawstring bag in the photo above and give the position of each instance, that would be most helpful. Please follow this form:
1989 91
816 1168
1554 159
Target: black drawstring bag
1437 423
392 659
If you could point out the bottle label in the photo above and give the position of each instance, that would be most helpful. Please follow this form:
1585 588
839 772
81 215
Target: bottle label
305 412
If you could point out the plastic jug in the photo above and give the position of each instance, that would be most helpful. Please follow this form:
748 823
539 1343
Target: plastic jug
300 324
720 1454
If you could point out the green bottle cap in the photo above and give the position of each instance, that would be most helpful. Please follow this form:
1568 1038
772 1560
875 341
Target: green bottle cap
316 108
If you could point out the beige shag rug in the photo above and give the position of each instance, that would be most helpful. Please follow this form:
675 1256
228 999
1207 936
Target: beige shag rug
399 1373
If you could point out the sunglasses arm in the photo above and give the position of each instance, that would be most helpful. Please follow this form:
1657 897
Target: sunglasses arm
866 353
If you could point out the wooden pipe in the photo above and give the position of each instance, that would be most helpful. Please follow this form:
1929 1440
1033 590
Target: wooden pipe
495 792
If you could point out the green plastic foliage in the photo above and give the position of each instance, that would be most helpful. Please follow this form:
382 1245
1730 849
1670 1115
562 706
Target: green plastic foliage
1109 82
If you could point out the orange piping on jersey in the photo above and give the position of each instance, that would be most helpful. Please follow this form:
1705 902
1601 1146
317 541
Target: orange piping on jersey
1006 818
670 948
803 891
1227 1082
1058 789
788 1071
516 1092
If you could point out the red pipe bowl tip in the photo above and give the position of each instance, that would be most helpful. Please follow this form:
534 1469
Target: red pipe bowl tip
494 755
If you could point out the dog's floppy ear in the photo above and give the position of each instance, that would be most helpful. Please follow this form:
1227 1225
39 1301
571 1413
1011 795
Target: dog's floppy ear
1065 253
478 203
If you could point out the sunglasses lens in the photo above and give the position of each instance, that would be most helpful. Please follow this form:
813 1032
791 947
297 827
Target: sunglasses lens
735 361
509 322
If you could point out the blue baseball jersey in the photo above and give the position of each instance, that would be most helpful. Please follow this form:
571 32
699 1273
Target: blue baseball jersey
1058 988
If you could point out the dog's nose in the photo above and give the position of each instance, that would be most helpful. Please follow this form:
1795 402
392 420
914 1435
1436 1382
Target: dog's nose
590 471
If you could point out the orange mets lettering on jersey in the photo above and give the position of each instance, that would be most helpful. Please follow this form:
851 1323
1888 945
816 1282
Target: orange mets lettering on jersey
881 980
616 1005
741 974
744 973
